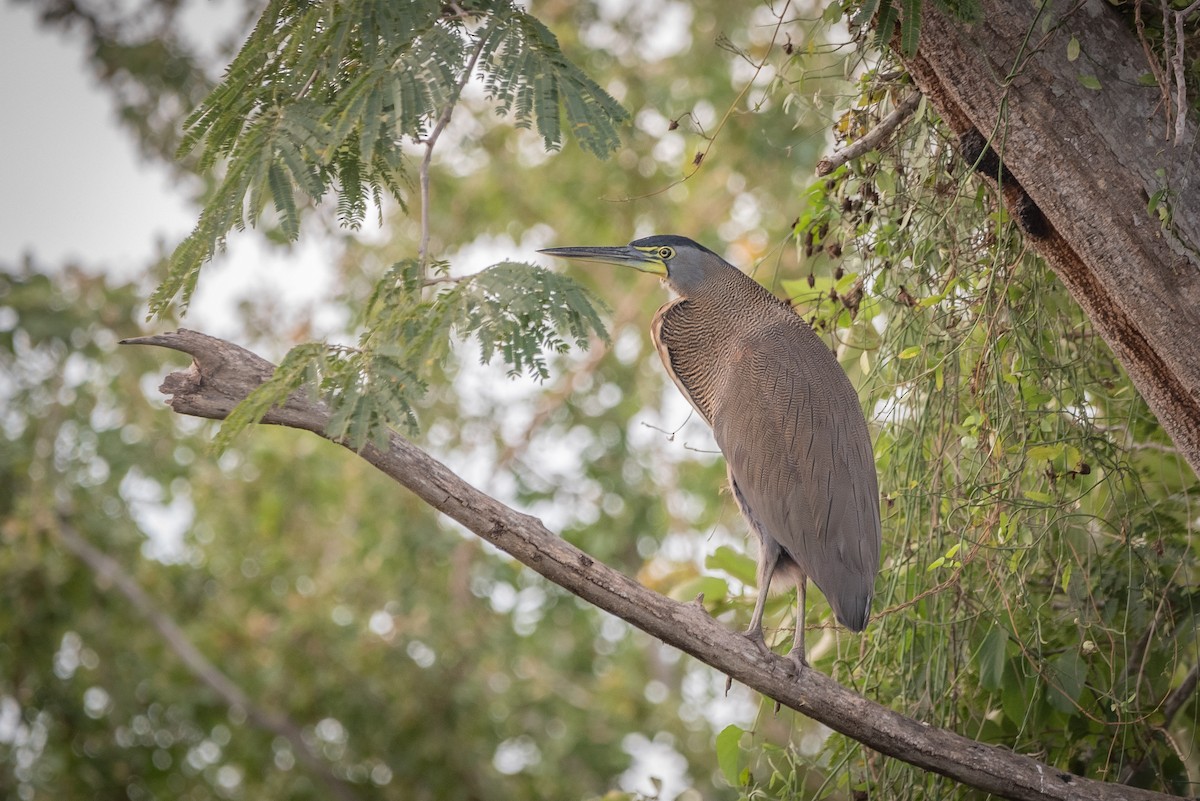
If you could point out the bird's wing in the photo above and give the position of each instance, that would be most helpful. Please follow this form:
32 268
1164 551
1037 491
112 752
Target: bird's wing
789 423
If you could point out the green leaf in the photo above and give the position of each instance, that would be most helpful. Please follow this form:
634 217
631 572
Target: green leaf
866 12
729 753
1019 698
1066 678
1045 452
992 658
289 377
886 25
910 27
715 589
735 563
1072 49
530 78
885 182
1090 81
911 352
521 311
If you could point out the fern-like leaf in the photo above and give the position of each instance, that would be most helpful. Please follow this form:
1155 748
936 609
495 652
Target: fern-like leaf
530 78
300 367
910 27
323 95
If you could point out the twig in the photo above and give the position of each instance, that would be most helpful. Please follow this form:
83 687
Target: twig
223 373
699 159
108 571
1156 69
1171 704
873 138
553 401
1179 696
1177 63
1180 85
431 140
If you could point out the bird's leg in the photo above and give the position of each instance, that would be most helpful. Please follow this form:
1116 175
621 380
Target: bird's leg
766 569
797 654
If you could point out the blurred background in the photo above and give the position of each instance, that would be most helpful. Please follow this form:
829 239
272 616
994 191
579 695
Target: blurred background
281 622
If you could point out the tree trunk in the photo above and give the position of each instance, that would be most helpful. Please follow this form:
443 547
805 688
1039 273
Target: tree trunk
1090 159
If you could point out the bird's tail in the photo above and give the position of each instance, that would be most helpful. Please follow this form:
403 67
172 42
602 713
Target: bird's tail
852 610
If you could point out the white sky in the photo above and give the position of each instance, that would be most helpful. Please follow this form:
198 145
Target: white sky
72 184
74 187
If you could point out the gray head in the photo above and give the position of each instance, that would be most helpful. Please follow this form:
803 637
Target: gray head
685 266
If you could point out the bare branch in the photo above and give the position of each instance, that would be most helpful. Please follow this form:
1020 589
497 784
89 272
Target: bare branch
1180 85
1179 696
874 138
109 572
1171 704
222 373
434 135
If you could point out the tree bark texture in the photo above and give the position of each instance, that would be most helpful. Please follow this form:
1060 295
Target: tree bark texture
1090 159
222 374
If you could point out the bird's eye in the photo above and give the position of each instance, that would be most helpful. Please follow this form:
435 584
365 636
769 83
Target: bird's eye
665 253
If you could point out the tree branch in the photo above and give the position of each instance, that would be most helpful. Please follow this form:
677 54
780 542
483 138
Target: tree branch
108 571
431 140
1179 696
873 139
222 373
1171 704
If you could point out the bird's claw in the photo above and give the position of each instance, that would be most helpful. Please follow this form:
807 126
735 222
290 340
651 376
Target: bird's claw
756 636
797 661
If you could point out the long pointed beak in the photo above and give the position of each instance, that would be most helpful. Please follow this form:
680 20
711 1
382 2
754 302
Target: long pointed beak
626 256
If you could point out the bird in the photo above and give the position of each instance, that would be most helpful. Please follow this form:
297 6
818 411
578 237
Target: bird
785 416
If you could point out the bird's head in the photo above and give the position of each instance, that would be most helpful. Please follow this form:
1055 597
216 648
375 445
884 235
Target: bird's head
684 265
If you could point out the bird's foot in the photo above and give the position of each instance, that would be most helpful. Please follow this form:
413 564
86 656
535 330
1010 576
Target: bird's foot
755 635
798 661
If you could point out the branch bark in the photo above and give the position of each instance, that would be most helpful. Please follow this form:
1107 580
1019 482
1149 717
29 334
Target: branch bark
222 373
1090 161
874 138
107 570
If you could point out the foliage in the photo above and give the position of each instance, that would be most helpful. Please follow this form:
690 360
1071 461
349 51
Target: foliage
301 574
323 96
518 311
887 17
1039 585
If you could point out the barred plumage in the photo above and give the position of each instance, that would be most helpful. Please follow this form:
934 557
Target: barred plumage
785 416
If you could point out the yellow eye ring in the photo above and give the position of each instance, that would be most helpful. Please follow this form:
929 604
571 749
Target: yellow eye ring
665 253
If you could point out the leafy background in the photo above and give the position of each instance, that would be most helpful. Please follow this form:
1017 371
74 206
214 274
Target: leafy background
1040 584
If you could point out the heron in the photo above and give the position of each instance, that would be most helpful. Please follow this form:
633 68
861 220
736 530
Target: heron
785 416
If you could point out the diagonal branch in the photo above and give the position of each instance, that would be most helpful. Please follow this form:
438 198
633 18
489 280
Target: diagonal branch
109 571
874 138
1179 696
1171 704
222 373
